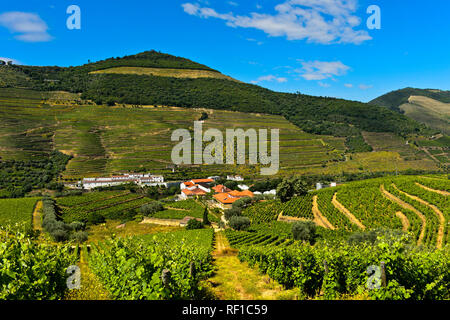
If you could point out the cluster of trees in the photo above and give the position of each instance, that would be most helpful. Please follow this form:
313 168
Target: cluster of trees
59 230
291 187
234 215
357 144
266 185
151 208
304 231
372 236
17 178
161 192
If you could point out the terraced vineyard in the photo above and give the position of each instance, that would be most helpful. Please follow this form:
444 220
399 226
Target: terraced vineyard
267 211
416 205
184 208
103 142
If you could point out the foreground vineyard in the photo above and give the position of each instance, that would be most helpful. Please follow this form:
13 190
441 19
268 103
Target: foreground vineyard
333 272
168 266
405 223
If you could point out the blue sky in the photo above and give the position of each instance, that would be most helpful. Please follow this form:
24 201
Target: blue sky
318 47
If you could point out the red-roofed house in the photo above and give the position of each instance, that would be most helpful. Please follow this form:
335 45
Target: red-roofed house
226 199
220 189
206 183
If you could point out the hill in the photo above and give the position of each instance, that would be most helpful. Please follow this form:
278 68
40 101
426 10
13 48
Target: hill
394 99
318 115
104 140
431 107
110 118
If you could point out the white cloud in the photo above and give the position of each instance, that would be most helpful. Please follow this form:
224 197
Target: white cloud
14 61
319 21
30 26
232 3
254 40
348 85
320 70
324 85
365 86
269 78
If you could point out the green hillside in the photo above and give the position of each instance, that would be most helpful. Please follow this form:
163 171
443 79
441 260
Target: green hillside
113 122
106 140
319 115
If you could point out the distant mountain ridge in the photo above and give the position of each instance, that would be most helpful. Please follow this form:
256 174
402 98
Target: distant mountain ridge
394 99
428 106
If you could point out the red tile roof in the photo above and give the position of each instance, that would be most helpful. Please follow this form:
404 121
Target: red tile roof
245 193
225 198
221 189
196 191
202 180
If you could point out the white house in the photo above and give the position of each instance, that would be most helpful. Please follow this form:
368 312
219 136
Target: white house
235 178
243 187
139 179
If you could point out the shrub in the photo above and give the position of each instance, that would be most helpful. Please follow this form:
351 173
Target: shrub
304 231
233 212
79 236
194 224
77 226
242 203
95 218
151 208
60 235
239 223
206 221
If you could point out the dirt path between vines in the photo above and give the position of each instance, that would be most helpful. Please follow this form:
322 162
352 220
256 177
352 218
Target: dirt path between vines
407 206
37 219
440 237
235 280
444 193
346 212
404 220
319 218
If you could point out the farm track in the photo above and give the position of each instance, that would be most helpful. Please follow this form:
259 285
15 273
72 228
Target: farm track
440 237
404 220
408 207
346 212
37 219
319 218
444 193
235 280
